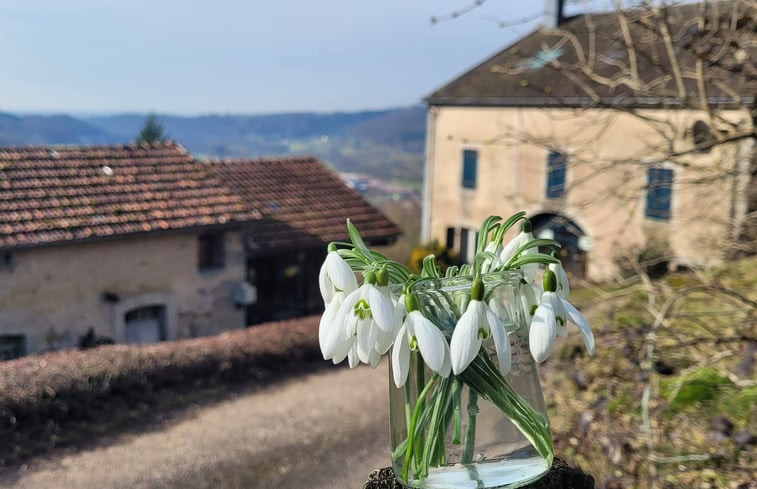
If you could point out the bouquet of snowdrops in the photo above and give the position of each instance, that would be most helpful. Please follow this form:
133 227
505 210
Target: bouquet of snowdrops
362 322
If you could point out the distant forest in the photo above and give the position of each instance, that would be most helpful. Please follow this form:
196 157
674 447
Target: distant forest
387 144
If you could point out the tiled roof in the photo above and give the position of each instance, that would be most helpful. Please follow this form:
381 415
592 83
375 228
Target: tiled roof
61 194
305 203
543 68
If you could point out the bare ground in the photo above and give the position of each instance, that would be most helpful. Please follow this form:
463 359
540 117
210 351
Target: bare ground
323 430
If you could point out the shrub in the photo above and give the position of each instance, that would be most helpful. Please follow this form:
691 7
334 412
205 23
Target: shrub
40 394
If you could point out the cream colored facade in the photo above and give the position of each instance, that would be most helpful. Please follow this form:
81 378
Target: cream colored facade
54 295
608 154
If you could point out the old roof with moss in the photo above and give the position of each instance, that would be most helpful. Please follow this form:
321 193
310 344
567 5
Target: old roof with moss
64 194
588 61
303 203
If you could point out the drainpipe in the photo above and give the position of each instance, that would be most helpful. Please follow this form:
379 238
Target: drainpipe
428 174
553 14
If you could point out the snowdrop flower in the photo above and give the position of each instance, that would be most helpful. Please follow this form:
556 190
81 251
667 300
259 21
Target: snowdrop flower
563 287
419 333
550 319
525 235
361 326
335 275
477 324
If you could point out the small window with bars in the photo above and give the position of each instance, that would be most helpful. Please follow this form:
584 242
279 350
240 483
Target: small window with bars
470 163
659 193
555 174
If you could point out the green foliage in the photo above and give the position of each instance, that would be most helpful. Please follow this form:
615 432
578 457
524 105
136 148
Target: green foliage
445 257
702 385
152 131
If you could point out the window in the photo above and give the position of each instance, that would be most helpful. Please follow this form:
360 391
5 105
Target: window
702 136
450 242
659 189
145 325
555 174
210 251
12 346
464 244
470 161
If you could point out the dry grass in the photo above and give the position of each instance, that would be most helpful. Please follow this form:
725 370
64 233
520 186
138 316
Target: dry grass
670 400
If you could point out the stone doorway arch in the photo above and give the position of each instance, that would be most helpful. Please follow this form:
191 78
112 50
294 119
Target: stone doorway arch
572 238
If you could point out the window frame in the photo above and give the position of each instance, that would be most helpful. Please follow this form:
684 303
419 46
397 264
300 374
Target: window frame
470 168
19 346
211 251
557 163
659 192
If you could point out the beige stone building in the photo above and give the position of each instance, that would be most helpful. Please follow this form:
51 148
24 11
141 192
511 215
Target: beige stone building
138 244
608 173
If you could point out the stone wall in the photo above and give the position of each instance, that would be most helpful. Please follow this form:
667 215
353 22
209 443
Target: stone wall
54 295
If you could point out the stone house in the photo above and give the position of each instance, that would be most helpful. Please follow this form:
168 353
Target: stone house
138 244
555 125
304 206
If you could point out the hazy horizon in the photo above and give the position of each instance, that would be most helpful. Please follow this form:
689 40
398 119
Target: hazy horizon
231 57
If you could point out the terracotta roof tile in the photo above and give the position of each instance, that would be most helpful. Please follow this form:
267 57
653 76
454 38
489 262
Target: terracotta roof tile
57 194
304 202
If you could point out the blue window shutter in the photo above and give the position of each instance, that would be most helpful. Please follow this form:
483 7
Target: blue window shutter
659 193
470 162
555 174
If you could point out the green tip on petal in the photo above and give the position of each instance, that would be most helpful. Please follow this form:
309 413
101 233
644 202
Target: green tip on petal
331 247
411 304
370 277
549 281
526 227
477 290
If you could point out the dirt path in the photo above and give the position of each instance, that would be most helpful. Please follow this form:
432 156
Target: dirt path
324 430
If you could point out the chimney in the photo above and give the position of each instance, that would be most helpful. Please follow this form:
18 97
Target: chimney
553 13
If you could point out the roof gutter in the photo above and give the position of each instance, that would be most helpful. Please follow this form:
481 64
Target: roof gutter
583 102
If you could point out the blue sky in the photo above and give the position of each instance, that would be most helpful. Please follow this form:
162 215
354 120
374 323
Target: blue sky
234 56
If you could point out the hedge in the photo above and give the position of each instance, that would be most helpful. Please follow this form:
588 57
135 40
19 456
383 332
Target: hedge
41 393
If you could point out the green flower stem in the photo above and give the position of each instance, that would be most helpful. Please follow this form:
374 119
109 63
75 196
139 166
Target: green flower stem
484 378
470 430
408 406
411 432
457 400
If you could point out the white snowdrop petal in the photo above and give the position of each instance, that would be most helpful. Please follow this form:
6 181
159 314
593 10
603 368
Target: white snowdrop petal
325 285
430 340
465 342
501 342
541 336
340 273
400 358
382 309
579 320
352 357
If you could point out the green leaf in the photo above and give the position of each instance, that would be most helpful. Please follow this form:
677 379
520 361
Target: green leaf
533 258
357 240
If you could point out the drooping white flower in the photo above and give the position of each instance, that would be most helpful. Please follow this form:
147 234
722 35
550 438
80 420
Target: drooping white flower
335 275
363 326
563 286
419 334
550 320
476 325
525 236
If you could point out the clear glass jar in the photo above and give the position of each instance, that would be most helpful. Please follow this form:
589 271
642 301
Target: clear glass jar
477 429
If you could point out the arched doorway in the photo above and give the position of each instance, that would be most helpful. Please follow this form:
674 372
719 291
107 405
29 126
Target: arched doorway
572 238
145 324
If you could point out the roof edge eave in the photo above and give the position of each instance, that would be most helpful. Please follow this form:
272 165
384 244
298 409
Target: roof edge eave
126 236
582 102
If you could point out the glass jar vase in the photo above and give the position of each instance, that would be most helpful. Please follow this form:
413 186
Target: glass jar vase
477 429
